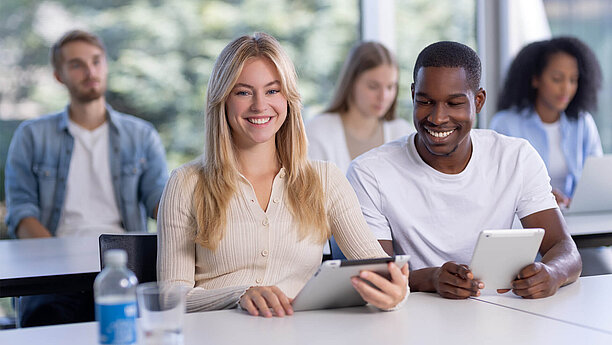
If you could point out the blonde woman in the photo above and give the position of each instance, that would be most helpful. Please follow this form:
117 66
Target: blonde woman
246 225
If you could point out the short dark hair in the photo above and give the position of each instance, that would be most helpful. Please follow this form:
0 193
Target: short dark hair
71 36
518 91
450 54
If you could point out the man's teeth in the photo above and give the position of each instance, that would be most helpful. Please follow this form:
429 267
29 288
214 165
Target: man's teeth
440 134
259 121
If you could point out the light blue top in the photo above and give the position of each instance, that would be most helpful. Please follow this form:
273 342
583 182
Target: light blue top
39 158
579 138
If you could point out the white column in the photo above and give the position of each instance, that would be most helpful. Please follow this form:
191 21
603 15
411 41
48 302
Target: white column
378 22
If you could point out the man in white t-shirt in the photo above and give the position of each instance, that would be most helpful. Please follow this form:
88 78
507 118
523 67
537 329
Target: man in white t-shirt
431 193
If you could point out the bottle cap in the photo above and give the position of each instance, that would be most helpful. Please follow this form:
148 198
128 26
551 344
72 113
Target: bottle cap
115 257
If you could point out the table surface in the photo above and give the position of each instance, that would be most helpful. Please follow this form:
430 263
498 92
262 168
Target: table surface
43 265
586 303
589 223
426 319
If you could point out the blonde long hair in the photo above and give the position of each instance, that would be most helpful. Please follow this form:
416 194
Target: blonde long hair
218 173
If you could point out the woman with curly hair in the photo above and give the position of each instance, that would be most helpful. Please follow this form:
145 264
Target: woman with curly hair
549 91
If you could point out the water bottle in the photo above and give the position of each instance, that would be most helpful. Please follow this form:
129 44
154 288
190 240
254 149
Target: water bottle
115 297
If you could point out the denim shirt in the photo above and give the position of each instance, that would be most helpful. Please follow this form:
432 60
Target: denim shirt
39 158
579 138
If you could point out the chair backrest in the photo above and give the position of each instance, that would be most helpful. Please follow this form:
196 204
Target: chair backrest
141 251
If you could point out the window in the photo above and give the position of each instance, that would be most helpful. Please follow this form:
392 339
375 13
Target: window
590 21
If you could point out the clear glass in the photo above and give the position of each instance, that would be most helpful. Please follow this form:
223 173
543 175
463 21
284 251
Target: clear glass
162 308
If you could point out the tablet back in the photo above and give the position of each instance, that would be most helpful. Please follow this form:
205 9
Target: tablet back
501 254
330 287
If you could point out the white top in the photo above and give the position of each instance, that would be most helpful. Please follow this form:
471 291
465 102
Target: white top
436 217
557 165
327 140
90 208
258 248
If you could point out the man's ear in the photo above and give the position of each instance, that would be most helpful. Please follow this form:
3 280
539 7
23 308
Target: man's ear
480 98
412 91
57 76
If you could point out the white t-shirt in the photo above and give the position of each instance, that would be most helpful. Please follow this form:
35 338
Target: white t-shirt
90 208
436 217
557 165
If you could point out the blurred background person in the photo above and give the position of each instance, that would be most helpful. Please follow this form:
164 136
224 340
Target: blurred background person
549 91
83 171
362 113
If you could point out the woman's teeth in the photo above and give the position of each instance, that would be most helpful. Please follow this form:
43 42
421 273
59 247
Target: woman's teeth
259 121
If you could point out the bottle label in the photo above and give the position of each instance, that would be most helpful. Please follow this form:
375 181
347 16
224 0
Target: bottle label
117 322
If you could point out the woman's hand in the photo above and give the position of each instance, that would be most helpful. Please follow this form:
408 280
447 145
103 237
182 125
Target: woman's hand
262 300
561 199
389 293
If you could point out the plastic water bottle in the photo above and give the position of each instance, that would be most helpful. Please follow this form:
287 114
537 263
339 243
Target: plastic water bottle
115 296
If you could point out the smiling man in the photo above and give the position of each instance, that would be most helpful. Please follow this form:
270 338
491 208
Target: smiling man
84 171
431 193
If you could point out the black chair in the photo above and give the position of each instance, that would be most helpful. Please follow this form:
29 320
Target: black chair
141 251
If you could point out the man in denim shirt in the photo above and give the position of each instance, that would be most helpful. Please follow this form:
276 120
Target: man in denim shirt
81 172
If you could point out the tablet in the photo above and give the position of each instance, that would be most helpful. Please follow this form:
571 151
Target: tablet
501 254
330 287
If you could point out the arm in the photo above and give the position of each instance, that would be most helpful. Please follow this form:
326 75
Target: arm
176 259
30 227
21 185
536 208
355 239
451 280
592 142
561 263
155 174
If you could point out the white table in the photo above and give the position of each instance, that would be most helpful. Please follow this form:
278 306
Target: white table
48 265
426 319
590 229
587 302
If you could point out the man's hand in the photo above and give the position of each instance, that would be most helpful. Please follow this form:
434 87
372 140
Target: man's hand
535 281
456 281
389 293
258 300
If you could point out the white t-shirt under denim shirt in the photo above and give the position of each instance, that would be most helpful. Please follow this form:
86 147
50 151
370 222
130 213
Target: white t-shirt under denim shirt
90 208
436 217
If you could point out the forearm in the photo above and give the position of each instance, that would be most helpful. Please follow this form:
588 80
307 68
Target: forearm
30 227
565 261
199 299
422 280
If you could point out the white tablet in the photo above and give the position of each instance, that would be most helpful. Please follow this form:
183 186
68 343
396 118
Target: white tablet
501 254
330 287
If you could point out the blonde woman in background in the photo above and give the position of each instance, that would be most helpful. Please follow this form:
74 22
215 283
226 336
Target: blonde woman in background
362 113
246 226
